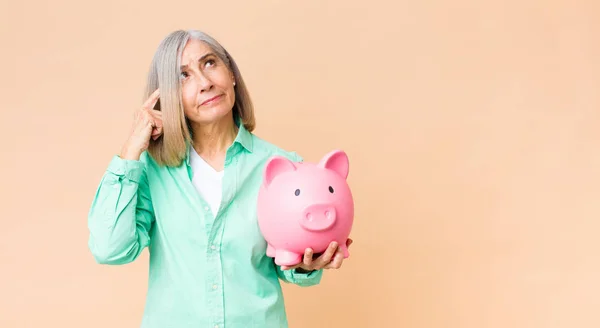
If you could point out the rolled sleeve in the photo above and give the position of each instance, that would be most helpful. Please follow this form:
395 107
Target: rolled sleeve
131 169
301 279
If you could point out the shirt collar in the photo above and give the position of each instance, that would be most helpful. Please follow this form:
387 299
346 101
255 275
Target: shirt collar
243 137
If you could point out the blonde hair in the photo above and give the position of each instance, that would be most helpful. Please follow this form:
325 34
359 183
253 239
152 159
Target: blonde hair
171 148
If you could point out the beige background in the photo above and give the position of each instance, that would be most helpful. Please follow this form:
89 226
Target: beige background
472 128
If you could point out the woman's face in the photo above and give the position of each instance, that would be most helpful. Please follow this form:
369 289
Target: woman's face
206 84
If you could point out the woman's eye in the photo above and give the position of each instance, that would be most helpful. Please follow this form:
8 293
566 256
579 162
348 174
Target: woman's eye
183 75
210 62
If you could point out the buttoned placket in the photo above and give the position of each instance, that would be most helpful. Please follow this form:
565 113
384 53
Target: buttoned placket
214 228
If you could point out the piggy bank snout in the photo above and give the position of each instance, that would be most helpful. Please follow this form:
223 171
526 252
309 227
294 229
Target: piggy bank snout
318 217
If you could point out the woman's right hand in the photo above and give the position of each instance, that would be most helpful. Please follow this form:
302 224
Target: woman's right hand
147 124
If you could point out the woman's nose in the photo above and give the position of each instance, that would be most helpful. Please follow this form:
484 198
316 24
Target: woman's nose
204 83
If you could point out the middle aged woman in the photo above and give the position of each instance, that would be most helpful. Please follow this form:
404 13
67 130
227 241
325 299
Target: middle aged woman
185 185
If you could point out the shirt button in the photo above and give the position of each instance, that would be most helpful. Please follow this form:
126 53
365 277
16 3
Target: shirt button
214 286
216 326
213 247
206 208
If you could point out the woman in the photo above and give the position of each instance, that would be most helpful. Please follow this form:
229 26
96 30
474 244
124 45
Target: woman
185 185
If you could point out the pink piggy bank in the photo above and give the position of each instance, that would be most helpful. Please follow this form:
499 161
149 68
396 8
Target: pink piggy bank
305 205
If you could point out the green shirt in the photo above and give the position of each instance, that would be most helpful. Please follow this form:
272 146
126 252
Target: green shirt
205 271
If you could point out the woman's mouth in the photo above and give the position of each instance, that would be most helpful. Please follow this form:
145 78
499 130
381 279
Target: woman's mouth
211 100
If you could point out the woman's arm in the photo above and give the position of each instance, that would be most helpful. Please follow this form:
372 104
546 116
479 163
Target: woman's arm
121 214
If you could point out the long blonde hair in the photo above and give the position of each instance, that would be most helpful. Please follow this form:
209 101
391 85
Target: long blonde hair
170 149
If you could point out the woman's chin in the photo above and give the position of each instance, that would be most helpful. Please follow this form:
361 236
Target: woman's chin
210 115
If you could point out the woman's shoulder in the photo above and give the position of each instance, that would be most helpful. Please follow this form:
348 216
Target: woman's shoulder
267 149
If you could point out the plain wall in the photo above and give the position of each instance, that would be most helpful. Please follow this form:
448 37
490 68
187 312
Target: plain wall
471 126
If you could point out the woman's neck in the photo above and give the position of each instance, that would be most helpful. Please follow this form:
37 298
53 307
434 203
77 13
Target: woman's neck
211 141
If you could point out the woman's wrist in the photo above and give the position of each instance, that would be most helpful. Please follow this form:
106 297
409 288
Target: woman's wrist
130 153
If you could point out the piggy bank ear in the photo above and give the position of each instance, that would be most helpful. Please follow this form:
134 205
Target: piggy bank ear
337 161
275 166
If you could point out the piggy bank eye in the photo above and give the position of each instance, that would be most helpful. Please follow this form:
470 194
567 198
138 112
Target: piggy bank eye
331 189
297 192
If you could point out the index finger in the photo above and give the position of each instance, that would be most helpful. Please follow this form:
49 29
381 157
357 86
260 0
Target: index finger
149 104
308 257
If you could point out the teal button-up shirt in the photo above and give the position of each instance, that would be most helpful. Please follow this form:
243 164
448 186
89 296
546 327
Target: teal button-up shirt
205 271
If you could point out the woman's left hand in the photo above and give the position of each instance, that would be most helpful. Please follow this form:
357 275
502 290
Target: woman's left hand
332 258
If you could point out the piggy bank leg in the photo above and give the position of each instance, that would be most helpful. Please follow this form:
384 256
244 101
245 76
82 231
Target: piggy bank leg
283 257
270 251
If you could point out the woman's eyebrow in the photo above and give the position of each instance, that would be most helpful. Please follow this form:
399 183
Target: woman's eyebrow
199 60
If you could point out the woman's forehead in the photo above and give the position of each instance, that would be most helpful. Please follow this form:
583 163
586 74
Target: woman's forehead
194 50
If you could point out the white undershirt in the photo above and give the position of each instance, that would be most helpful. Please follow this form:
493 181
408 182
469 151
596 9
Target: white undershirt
206 180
